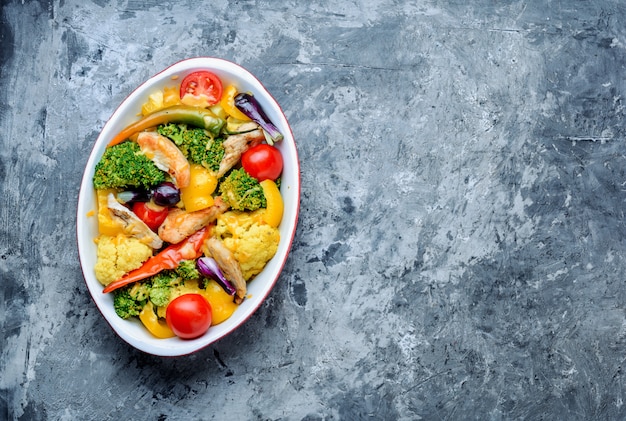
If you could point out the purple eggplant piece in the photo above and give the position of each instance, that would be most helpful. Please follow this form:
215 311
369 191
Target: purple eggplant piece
166 194
207 266
248 105
129 197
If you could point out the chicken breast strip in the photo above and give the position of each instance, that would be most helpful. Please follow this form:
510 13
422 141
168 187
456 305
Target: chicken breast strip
166 156
235 145
229 266
180 224
132 225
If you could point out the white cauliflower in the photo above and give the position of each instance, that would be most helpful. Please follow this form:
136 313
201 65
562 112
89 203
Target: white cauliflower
119 255
252 242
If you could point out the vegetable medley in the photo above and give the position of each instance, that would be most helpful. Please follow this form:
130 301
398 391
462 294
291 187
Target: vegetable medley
188 206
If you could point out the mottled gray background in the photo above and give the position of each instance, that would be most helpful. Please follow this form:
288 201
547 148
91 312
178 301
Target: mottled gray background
460 247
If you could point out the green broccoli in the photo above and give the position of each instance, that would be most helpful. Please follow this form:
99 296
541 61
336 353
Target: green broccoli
124 166
163 282
175 133
242 191
160 296
140 291
187 270
130 300
197 144
125 305
161 288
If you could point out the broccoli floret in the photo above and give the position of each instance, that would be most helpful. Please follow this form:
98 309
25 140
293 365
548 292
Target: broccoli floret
129 301
161 288
187 270
160 296
173 132
242 191
125 305
198 145
124 166
140 291
163 282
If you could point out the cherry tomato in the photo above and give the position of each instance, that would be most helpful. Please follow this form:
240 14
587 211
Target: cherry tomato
201 88
189 315
263 162
150 213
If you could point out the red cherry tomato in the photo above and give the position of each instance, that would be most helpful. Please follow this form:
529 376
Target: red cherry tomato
150 213
263 162
189 315
201 88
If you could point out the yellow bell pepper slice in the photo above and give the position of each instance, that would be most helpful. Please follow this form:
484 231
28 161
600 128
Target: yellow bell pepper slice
155 326
222 304
198 195
219 111
154 103
228 103
274 212
106 224
171 96
160 99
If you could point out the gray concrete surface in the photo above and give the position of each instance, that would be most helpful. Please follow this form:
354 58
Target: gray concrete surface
460 247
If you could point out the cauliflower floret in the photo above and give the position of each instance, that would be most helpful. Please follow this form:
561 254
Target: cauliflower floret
119 255
252 242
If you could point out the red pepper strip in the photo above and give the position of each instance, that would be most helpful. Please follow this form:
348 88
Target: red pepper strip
195 116
169 258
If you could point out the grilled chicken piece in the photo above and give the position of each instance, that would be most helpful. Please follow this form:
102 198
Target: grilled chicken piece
180 224
229 265
166 156
133 226
236 144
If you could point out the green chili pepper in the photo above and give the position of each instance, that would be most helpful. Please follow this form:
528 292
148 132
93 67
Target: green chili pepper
195 116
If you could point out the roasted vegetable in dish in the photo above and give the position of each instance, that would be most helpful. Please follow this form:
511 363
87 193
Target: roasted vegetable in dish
201 88
242 191
185 114
209 269
126 305
188 207
165 194
169 258
189 316
248 105
263 162
124 166
198 145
